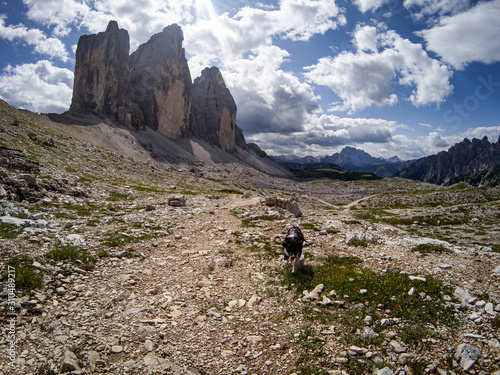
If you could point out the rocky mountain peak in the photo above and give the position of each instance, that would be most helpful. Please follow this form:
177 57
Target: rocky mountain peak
460 163
161 81
101 81
214 109
112 26
153 88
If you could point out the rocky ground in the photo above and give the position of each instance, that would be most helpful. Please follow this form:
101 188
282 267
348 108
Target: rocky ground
133 281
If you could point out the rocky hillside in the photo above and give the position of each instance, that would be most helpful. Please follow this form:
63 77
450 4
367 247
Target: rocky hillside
117 262
153 88
473 161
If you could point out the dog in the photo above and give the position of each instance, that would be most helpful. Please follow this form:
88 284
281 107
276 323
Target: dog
292 246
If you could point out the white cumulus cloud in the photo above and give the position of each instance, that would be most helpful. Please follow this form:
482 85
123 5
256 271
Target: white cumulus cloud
39 87
382 59
472 35
52 47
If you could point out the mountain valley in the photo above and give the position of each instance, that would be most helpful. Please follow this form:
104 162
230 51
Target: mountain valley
127 262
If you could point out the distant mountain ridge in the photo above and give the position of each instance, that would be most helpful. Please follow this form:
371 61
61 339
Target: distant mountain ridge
476 162
349 159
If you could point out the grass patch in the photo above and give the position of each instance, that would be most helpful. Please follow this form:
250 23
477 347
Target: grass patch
266 249
426 249
270 218
9 230
114 197
72 254
310 226
229 191
119 238
80 210
27 278
363 292
149 189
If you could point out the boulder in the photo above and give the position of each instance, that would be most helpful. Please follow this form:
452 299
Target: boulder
467 355
286 204
177 200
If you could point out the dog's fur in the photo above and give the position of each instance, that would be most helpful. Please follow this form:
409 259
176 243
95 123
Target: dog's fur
292 246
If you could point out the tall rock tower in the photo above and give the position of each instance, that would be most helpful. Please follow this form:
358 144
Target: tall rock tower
162 84
214 109
101 81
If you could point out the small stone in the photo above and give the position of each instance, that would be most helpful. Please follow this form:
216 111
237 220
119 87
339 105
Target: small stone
177 200
480 304
148 344
368 320
411 292
69 363
116 349
314 295
326 301
391 334
419 279
398 347
75 239
357 349
254 339
384 371
93 359
385 322
253 300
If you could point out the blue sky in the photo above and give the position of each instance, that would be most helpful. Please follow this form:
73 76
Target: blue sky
407 78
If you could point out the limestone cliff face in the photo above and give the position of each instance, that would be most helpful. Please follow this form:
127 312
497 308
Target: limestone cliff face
101 76
462 162
162 84
214 109
152 87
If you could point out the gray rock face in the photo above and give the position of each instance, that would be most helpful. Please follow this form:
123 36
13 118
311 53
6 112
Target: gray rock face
214 109
161 82
101 76
476 162
152 87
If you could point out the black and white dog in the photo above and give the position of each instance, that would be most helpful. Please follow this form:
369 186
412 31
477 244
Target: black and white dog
292 246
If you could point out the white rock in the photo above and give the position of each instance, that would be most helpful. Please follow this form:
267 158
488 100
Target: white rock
398 347
148 344
467 355
496 271
253 300
116 349
75 239
254 339
384 371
